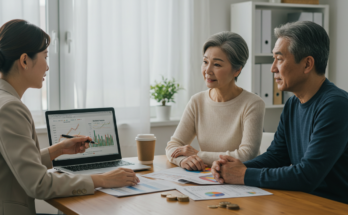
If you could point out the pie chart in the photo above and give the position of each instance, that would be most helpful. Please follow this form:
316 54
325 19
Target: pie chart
214 194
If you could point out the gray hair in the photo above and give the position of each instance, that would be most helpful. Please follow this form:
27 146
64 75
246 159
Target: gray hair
307 39
233 45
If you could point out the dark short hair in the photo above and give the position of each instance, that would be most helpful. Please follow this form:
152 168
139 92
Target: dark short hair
18 37
233 45
307 39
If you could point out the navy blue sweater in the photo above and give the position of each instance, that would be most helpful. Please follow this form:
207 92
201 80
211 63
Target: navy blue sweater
309 152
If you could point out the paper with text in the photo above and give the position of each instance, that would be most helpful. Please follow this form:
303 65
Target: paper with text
145 186
181 175
221 191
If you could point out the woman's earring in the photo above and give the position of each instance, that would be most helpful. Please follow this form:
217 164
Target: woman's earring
25 67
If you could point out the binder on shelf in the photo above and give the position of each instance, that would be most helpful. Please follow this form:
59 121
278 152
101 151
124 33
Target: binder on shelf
257 79
266 31
300 16
267 84
258 24
318 18
286 96
277 94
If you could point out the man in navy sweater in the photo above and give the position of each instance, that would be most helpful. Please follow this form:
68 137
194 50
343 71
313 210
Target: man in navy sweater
309 152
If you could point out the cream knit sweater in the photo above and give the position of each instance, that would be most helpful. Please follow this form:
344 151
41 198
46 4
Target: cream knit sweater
222 128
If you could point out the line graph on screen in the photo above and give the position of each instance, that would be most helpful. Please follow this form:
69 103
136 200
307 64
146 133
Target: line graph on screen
68 133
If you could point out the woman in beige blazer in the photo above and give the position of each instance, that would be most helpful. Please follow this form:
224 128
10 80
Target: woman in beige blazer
23 166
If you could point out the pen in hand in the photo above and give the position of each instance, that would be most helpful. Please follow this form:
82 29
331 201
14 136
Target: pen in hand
68 136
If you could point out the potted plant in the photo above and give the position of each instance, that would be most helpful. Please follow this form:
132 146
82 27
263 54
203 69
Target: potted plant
164 92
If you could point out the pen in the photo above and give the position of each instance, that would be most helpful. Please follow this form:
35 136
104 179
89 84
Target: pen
68 136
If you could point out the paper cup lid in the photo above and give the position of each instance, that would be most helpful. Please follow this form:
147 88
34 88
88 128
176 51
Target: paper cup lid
145 137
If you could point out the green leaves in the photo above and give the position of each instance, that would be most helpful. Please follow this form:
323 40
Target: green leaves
164 91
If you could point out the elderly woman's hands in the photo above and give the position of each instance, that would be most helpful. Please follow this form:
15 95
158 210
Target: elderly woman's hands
193 163
184 151
228 170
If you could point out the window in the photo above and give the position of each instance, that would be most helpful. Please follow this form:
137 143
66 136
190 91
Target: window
34 12
106 53
117 48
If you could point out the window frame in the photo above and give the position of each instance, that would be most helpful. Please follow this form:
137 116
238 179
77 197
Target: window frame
53 76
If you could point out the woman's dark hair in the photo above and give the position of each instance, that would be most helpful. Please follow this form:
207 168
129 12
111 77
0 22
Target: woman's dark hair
18 37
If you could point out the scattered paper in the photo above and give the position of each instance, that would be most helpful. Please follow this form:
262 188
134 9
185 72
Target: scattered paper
221 191
145 186
181 175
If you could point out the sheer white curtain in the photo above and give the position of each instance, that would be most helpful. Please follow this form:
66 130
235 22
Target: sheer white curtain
29 10
178 31
118 47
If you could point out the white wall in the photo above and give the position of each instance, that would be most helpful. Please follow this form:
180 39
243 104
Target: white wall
220 14
338 32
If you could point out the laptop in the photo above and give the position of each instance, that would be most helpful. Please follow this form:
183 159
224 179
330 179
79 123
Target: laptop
100 125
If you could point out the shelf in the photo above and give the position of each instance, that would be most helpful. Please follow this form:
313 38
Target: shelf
172 122
288 5
274 106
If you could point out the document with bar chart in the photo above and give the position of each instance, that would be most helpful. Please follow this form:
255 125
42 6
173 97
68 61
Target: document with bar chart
97 125
145 186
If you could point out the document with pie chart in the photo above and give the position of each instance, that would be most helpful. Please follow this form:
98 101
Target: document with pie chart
184 176
221 191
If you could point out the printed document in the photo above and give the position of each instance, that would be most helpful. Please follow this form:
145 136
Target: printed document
221 191
181 175
145 186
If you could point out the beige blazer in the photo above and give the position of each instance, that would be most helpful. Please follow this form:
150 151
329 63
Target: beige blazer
23 167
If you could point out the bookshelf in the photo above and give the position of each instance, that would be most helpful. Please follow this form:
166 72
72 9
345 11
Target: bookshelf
243 22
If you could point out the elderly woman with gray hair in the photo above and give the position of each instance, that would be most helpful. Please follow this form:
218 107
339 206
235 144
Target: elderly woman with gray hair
226 119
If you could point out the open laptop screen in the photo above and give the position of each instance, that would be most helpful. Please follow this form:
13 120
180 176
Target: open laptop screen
99 125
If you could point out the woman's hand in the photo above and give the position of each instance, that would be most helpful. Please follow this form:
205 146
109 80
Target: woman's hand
184 151
116 178
75 145
193 163
69 146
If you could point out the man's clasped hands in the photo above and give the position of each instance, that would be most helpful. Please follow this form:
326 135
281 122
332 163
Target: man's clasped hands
227 170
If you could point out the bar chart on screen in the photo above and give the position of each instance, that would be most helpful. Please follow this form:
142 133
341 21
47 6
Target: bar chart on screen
101 132
106 140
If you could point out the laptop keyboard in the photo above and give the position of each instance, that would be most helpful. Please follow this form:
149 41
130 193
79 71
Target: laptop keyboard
97 165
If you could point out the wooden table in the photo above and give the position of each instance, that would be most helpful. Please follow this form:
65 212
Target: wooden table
281 202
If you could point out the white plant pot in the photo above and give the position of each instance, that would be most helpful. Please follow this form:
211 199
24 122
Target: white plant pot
163 113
